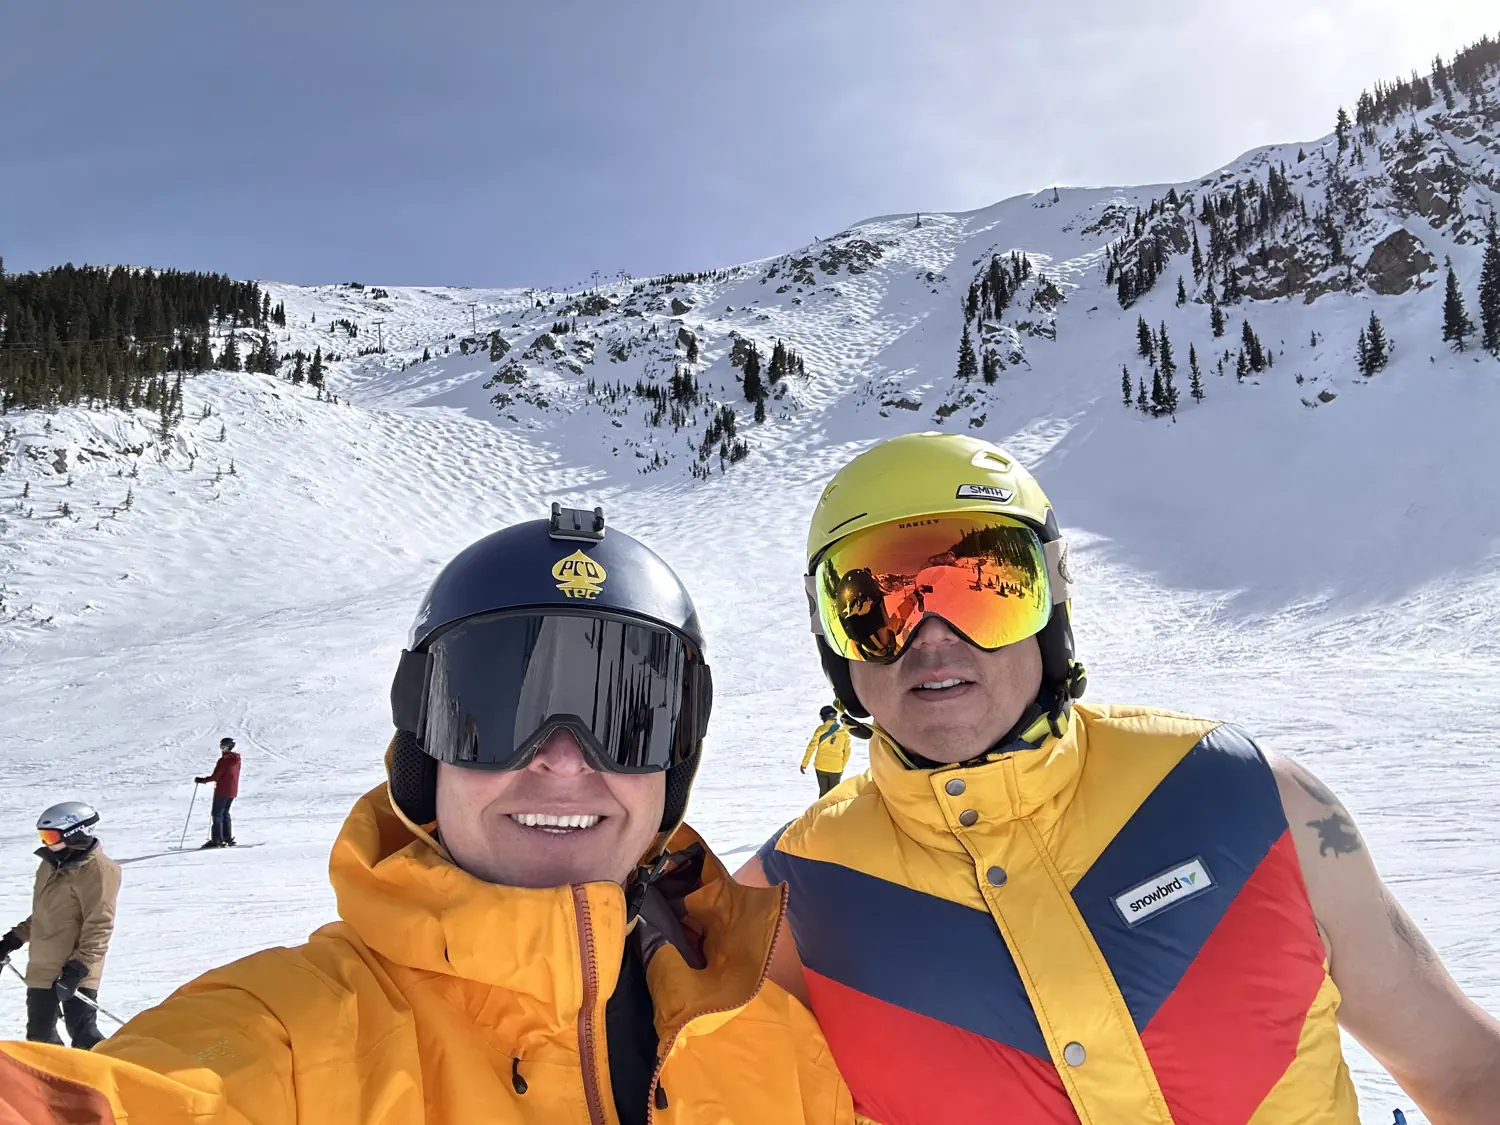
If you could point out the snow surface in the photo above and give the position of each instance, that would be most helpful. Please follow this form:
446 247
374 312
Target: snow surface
1324 576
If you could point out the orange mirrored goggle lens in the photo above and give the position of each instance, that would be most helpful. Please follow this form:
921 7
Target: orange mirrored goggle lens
50 836
985 575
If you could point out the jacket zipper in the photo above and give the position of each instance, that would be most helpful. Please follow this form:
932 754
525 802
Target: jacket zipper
588 1055
666 1047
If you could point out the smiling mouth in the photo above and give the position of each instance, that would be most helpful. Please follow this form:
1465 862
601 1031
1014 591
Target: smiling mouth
556 825
941 685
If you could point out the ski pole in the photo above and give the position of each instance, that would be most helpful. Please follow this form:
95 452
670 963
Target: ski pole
183 842
91 1003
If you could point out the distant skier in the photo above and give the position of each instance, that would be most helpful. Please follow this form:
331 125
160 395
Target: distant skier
830 744
226 779
72 918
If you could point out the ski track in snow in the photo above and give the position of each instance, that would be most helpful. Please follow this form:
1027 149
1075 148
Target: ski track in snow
1297 572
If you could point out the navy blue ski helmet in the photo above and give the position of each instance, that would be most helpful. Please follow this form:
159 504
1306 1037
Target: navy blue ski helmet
553 623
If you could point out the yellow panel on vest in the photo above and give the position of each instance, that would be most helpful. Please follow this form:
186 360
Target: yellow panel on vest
1083 1017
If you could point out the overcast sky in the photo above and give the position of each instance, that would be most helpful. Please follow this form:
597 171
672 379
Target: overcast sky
500 143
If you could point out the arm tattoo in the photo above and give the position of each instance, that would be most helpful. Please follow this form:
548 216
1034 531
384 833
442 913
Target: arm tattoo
1336 834
1315 788
1407 931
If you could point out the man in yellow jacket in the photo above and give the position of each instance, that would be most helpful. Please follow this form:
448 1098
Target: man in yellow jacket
828 751
527 934
1034 910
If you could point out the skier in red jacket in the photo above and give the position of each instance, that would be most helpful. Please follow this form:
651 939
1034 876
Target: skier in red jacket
226 779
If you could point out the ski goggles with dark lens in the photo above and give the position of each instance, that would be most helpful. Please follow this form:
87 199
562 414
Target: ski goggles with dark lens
488 692
986 575
50 836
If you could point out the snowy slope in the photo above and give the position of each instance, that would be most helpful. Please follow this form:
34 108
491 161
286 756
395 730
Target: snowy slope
1323 575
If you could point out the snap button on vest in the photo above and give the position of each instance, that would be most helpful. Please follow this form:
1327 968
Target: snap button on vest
968 818
996 876
955 787
1074 1054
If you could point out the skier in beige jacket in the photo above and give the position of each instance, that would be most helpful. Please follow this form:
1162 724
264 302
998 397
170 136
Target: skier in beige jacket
72 918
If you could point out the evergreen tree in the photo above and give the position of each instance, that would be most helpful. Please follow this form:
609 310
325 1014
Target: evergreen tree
1197 257
1456 322
754 389
1181 292
1140 398
991 366
1241 367
1377 346
1197 384
315 373
1254 353
1169 400
1216 319
1145 343
299 372
1126 386
1231 285
1363 353
1158 392
968 364
229 358
1489 292
1164 351
1341 127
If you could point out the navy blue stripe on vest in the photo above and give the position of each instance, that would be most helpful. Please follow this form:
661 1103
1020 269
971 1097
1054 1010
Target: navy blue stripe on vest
1219 804
915 950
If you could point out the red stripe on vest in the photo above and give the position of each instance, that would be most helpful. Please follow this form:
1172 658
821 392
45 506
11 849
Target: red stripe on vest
1229 1031
909 1069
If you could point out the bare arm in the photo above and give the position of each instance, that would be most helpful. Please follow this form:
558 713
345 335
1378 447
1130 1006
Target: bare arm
1398 1000
786 966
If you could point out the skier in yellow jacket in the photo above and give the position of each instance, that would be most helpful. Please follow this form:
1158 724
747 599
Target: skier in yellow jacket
527 932
1042 911
828 751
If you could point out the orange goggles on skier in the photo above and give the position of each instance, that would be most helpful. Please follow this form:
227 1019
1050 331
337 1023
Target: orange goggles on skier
985 575
50 836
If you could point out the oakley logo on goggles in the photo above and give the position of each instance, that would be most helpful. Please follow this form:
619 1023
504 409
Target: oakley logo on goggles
986 575
489 691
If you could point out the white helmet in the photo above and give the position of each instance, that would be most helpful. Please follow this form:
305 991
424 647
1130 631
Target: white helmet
71 820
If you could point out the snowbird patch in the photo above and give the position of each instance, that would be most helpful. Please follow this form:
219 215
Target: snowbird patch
1185 881
985 492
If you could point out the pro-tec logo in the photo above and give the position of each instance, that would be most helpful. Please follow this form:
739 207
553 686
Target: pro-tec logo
1168 889
985 492
579 576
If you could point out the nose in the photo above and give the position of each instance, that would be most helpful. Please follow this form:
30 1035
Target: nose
560 755
933 633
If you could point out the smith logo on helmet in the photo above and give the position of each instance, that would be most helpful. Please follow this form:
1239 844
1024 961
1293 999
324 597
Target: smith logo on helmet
579 576
985 492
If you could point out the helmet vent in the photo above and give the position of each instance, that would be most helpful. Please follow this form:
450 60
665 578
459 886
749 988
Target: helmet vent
992 459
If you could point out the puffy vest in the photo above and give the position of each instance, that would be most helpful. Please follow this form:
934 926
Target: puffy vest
1111 928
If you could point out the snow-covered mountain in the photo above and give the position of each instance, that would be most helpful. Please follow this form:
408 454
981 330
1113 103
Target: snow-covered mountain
1308 550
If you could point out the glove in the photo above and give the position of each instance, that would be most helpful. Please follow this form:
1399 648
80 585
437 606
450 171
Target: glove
802 770
200 781
9 944
73 974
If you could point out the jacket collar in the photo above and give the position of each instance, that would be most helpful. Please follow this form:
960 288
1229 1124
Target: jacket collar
404 897
68 857
1029 782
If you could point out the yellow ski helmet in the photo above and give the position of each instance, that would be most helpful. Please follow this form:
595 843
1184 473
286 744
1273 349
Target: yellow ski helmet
931 474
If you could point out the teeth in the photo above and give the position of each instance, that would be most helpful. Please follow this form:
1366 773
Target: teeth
547 820
938 685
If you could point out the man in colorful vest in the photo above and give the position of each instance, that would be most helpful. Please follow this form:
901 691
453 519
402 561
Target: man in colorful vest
1038 911
828 751
528 933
